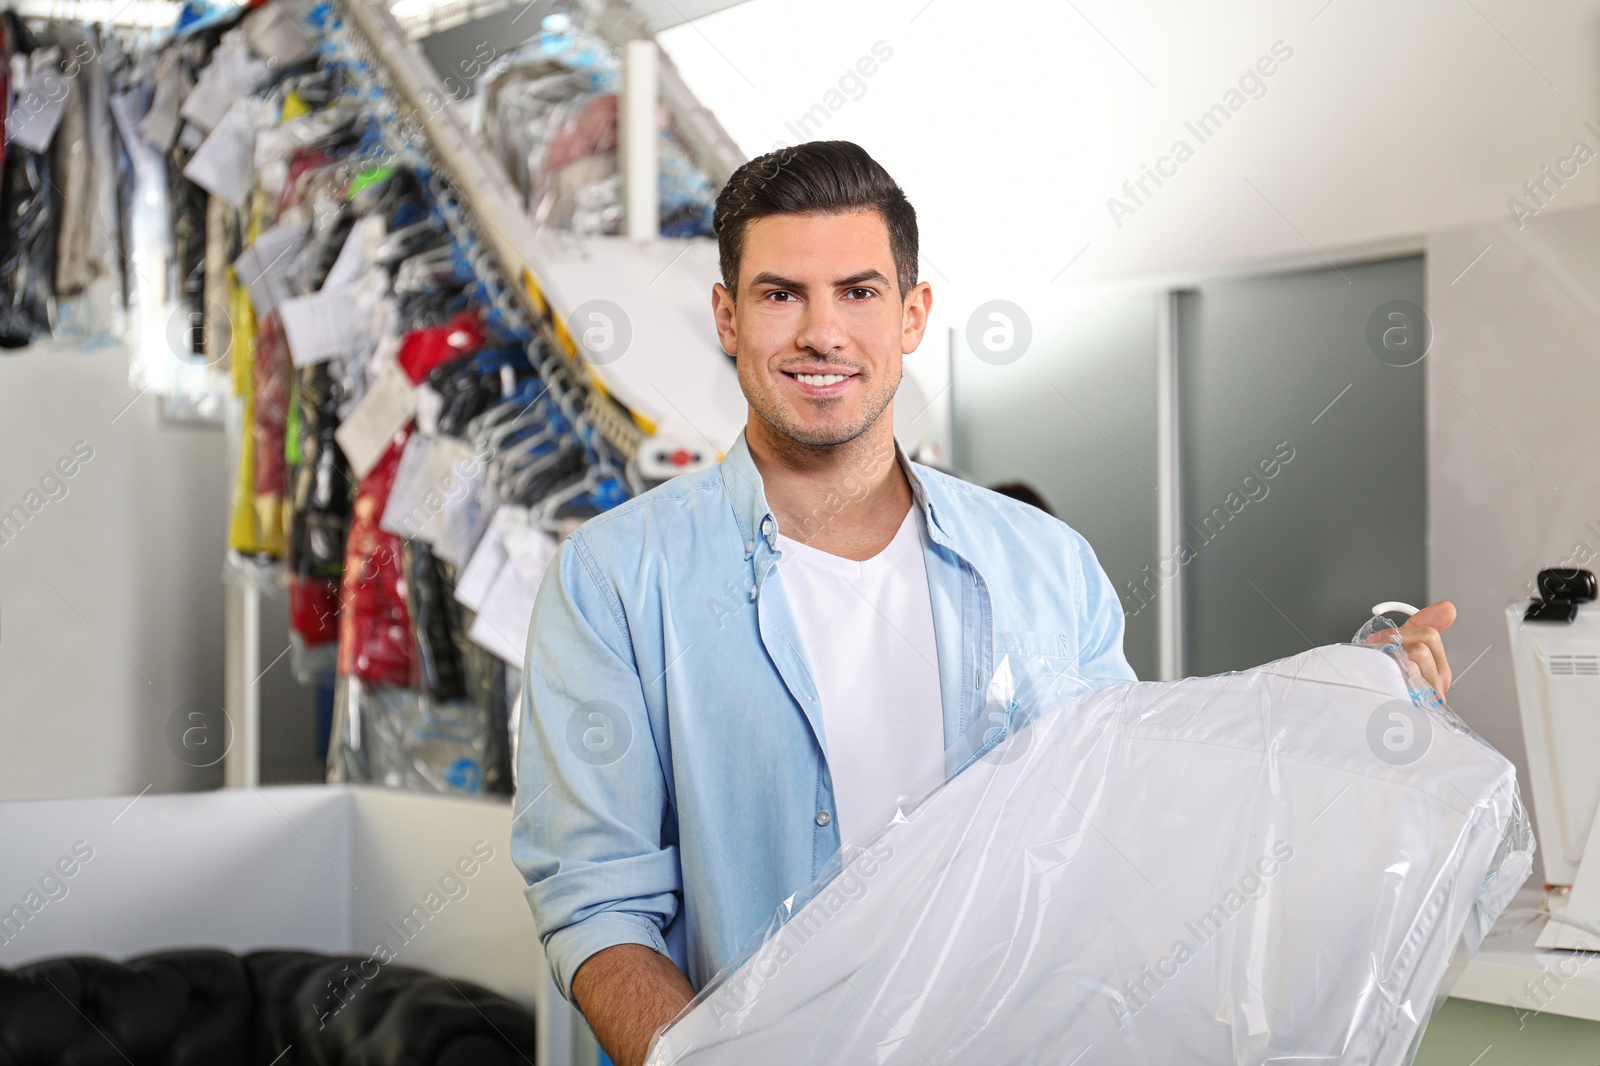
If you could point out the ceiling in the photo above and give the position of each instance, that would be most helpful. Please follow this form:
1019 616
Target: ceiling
661 14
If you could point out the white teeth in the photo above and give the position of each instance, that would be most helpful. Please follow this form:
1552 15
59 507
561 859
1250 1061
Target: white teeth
820 379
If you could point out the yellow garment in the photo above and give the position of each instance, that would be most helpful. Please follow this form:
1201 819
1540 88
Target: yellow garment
244 534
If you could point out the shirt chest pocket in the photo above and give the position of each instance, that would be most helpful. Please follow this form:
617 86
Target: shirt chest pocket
1050 657
1035 643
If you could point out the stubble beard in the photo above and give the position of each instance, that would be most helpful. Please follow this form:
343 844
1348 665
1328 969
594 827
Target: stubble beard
780 418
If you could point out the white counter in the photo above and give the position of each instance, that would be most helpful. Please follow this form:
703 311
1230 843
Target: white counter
1509 971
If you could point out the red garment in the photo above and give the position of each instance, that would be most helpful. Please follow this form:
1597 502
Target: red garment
314 608
374 622
304 163
422 350
272 371
592 130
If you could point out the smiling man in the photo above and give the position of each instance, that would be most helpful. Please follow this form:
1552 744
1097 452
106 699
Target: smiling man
743 669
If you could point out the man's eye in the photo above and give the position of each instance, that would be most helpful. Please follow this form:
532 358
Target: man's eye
788 296
863 293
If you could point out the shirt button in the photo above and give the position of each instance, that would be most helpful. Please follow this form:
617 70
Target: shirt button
766 526
823 818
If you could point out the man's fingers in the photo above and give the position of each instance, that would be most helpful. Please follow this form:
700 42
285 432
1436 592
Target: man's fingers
1434 642
1422 656
1440 616
1420 635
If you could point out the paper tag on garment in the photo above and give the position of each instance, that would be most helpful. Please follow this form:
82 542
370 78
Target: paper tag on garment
350 266
477 577
322 325
429 406
263 268
466 520
274 35
530 550
384 411
37 107
232 72
431 481
33 120
402 515
507 613
222 165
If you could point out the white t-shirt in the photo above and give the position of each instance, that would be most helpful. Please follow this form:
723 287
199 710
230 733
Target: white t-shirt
867 630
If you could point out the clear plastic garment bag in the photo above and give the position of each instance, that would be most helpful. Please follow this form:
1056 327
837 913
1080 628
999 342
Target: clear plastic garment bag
1283 864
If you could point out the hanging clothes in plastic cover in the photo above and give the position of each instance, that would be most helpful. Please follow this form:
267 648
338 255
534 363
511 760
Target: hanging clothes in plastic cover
374 636
270 409
318 519
60 265
550 115
415 706
186 201
88 275
391 396
27 211
1281 865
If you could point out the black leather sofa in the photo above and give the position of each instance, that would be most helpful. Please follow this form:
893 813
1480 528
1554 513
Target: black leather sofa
268 1008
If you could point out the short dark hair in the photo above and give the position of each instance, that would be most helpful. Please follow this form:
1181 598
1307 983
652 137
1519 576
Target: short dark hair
816 178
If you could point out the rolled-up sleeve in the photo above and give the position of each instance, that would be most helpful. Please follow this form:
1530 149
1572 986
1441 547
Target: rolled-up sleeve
591 799
1101 658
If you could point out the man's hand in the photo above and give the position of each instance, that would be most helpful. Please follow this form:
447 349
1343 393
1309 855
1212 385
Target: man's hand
1420 637
626 993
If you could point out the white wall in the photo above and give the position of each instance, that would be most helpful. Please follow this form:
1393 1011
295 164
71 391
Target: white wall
1011 123
110 596
236 869
1513 441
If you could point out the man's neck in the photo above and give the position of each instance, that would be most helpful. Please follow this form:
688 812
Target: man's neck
845 499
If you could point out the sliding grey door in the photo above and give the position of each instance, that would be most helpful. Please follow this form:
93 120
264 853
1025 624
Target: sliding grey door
1301 433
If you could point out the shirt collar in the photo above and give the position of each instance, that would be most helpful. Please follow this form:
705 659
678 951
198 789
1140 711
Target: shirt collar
742 482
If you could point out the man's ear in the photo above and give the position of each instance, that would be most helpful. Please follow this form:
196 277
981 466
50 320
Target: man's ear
914 316
724 313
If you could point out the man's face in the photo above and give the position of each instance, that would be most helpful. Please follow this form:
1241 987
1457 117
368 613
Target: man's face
819 327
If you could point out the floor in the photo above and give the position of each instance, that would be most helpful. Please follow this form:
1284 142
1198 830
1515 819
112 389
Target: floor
1465 1033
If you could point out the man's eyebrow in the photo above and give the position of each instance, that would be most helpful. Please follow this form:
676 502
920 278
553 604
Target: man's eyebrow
861 278
766 277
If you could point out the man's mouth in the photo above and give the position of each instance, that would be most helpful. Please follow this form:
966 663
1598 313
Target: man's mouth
820 379
821 384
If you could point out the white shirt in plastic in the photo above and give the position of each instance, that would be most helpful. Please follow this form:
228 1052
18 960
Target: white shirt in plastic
1271 866
867 628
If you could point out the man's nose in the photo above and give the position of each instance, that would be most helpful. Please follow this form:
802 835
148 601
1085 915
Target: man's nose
821 329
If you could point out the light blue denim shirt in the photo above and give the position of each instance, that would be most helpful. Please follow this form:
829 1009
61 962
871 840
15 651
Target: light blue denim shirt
673 784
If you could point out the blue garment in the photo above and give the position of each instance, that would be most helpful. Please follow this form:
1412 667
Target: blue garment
673 775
